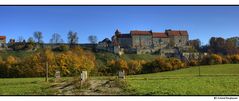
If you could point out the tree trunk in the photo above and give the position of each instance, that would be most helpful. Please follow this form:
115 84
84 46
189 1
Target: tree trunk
46 79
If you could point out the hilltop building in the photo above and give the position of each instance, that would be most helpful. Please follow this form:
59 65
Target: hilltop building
237 42
149 41
2 41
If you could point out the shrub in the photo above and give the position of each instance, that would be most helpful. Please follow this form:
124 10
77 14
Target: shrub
176 63
212 59
216 59
121 65
163 64
225 60
193 63
235 58
135 67
61 48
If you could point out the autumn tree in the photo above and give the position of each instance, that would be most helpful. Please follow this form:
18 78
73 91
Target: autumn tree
74 61
134 67
10 61
121 65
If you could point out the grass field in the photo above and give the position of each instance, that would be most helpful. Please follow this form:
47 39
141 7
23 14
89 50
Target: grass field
22 86
214 80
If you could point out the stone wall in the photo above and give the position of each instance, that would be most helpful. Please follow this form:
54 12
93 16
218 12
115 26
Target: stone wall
159 43
142 41
125 42
179 41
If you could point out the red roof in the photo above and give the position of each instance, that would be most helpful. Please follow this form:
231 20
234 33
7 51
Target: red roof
124 36
184 33
137 32
177 33
159 35
2 37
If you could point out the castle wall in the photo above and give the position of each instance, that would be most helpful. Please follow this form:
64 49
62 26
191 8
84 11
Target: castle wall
141 41
160 42
179 41
125 42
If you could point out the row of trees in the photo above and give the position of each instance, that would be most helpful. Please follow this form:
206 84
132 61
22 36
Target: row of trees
56 38
167 64
217 45
69 63
141 66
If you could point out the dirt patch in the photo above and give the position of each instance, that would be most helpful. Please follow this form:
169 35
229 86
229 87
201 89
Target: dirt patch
89 87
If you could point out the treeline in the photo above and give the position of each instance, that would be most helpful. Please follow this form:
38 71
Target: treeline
69 62
36 41
74 60
217 45
167 64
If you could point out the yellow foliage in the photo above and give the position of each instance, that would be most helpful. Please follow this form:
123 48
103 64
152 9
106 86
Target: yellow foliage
49 55
122 65
111 63
75 61
11 60
134 66
217 58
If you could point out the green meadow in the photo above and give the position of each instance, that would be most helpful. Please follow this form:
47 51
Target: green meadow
213 80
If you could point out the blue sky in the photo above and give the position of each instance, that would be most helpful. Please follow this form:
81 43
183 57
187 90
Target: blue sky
201 22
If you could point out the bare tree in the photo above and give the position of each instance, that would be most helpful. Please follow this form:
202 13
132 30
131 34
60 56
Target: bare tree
72 38
92 39
30 40
20 39
38 36
56 38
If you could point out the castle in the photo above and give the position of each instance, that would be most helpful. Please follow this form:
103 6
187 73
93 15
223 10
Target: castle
2 41
141 42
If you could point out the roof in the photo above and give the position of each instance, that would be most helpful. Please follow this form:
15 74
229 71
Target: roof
124 36
2 37
137 32
159 35
177 33
107 40
184 33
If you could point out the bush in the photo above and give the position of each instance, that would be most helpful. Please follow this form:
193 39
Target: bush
225 61
135 67
233 58
193 63
163 64
61 48
212 59
216 59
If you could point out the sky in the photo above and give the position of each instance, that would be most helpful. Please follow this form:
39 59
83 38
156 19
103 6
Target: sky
201 22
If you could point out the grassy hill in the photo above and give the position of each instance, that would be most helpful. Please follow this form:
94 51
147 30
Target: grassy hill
214 80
